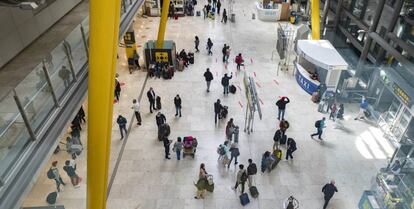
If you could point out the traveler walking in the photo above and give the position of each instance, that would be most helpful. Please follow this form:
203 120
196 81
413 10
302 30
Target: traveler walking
151 98
291 147
225 83
251 171
201 183
363 106
117 89
53 173
234 153
333 108
160 119
341 111
218 7
319 125
197 43
177 147
224 18
167 144
76 122
276 138
241 178
217 109
239 61
209 77
122 121
329 190
177 104
135 107
283 126
224 51
229 129
71 171
281 104
209 46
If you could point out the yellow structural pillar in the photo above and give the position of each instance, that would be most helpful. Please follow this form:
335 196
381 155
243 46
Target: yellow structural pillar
163 24
316 20
104 29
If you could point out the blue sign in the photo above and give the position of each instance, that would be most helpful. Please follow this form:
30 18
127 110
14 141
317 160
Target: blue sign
305 83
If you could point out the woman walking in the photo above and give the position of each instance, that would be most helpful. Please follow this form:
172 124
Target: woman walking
202 182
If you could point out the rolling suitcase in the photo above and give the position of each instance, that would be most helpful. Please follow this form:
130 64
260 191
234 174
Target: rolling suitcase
158 102
254 192
51 198
233 89
244 199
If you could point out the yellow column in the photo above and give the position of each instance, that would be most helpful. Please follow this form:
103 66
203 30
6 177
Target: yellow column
104 29
316 27
163 24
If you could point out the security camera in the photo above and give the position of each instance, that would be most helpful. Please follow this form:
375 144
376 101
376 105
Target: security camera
28 5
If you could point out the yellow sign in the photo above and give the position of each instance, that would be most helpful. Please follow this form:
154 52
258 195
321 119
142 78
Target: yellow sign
161 56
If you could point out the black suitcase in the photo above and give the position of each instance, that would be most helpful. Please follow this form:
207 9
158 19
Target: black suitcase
254 192
51 198
158 102
233 89
191 59
283 139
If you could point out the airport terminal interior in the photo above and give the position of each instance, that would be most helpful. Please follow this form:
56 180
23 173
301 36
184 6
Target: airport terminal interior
204 104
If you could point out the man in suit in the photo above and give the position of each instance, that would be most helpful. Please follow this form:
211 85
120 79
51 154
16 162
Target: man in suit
151 98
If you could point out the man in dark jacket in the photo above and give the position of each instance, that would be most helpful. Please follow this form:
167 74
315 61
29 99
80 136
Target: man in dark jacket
160 119
71 171
291 147
225 82
209 77
251 171
281 104
177 103
166 147
117 89
122 125
217 109
328 191
151 98
224 51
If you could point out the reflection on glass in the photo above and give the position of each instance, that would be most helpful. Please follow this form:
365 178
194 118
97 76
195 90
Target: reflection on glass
77 49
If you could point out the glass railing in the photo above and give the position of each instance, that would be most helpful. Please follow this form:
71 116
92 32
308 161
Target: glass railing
24 110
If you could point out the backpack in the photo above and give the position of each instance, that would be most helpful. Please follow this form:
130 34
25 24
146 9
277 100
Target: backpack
318 124
221 150
244 177
252 170
50 174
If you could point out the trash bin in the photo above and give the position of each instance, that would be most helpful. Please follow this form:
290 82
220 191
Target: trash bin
233 17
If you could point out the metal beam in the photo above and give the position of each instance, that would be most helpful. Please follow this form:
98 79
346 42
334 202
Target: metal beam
404 45
163 24
316 20
325 13
338 13
104 36
355 19
24 116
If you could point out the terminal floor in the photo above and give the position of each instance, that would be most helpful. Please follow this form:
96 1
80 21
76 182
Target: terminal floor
351 152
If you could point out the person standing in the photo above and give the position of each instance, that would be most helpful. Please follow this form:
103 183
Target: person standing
167 144
283 126
64 74
177 147
225 81
239 61
117 89
56 175
234 153
281 104
135 106
151 98
160 119
71 171
209 46
217 109
291 147
363 106
177 103
319 125
209 77
224 50
241 178
329 190
251 171
197 43
122 121
218 7
201 183
205 11
333 108
81 114
341 112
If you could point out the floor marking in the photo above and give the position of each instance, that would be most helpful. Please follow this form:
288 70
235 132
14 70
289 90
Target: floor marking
258 84
261 101
241 105
239 87
275 81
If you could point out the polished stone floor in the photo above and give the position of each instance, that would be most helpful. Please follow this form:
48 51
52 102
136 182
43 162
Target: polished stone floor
351 153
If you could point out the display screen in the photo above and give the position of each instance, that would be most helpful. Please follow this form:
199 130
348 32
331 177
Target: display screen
401 94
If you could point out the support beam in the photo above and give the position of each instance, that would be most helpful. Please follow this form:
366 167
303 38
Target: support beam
316 20
354 19
163 23
338 14
104 29
325 13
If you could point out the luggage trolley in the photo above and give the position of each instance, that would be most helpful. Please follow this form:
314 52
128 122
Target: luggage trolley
190 145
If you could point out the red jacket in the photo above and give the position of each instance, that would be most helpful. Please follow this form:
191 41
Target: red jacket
239 59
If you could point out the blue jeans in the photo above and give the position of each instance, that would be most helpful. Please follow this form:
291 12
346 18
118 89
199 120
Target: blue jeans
178 152
226 89
319 133
178 111
281 113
